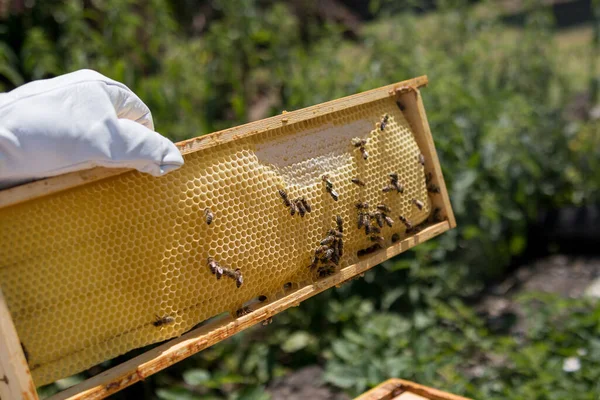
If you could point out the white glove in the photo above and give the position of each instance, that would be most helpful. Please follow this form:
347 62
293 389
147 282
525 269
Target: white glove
78 121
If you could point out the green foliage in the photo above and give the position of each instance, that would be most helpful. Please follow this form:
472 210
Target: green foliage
495 106
457 352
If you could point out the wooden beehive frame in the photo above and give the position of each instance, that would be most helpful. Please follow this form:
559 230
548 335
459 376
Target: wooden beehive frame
18 382
399 389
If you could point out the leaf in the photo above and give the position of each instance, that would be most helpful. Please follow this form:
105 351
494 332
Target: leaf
517 244
196 377
297 341
253 393
391 296
176 393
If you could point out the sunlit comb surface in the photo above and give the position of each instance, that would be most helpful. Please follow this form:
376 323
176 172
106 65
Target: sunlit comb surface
88 273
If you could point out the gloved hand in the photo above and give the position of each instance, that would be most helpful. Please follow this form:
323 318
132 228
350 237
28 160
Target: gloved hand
78 121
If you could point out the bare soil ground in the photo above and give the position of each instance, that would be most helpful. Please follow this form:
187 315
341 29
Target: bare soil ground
568 276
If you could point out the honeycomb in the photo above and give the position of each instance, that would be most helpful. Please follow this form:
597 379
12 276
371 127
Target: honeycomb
98 270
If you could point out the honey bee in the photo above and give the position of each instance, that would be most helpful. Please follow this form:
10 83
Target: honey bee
321 249
395 184
284 196
335 258
293 208
368 227
243 311
328 240
340 223
379 218
335 234
239 279
314 263
236 275
433 188
384 208
325 271
209 216
334 194
406 222
340 247
305 204
375 229
267 321
328 183
384 122
378 239
395 237
213 265
300 207
428 177
328 254
418 203
421 159
359 142
287 286
365 220
364 153
437 215
358 182
160 321
262 298
362 205
387 188
361 220
388 220
398 186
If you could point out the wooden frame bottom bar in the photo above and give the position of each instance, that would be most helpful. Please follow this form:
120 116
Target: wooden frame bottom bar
175 350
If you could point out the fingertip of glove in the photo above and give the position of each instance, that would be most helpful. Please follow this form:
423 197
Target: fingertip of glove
172 158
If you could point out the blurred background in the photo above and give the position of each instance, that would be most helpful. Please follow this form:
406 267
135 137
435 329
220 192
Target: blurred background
504 306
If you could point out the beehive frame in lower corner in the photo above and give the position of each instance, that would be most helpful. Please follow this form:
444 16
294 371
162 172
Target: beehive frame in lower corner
407 98
399 389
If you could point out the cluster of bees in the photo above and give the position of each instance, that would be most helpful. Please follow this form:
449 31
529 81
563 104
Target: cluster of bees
330 250
299 205
219 271
373 221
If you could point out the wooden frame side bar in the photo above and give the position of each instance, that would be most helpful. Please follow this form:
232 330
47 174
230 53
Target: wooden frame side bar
175 350
15 378
394 388
414 112
59 183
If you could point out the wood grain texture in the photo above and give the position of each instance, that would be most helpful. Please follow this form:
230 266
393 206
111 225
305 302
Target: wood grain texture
409 396
15 379
394 389
57 184
200 338
414 111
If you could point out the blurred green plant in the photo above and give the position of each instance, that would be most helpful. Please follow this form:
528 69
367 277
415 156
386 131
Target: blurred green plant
496 106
